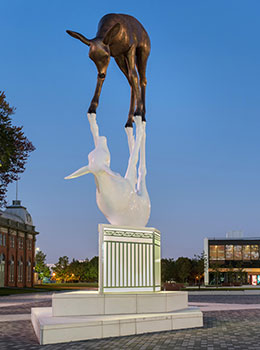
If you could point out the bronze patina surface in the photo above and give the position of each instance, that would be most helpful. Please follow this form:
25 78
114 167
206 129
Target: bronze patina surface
124 38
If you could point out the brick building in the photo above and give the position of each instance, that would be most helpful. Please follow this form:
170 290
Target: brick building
17 246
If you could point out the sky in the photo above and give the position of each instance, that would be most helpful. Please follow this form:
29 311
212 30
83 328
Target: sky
203 118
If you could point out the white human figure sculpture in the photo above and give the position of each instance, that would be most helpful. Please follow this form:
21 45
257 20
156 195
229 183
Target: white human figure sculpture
123 200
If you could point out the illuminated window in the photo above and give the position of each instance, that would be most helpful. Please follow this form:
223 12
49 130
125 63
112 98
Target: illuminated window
237 252
254 252
246 252
217 252
221 252
213 252
254 280
229 252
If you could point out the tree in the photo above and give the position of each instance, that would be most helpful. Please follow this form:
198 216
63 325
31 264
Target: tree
40 265
61 269
183 267
198 267
14 148
92 275
167 270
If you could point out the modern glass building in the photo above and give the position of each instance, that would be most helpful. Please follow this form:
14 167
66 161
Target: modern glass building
232 261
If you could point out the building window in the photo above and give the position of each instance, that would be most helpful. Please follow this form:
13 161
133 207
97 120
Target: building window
237 252
29 244
217 252
246 252
20 243
213 252
2 258
11 241
229 252
254 252
11 275
29 271
20 270
2 239
221 252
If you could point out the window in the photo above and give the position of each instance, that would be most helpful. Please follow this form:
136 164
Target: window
229 252
237 252
29 244
217 252
213 252
11 241
2 239
254 252
20 243
11 275
29 270
2 258
221 252
246 252
20 270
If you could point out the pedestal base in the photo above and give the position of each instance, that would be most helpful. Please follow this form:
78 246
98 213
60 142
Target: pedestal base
86 315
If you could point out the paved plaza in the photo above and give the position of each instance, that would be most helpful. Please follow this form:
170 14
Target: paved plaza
230 322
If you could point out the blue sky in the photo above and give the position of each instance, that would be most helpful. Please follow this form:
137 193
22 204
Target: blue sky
203 120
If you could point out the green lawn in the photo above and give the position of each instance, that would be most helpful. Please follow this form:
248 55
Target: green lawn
48 287
60 286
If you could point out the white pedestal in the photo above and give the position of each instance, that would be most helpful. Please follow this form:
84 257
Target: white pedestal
84 303
129 300
90 315
129 259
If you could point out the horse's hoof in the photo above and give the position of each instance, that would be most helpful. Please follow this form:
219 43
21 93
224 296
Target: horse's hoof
129 124
92 110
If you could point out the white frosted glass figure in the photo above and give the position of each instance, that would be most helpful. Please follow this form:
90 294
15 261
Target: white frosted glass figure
123 200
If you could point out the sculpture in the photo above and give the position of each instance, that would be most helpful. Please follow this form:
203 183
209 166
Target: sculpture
123 200
124 38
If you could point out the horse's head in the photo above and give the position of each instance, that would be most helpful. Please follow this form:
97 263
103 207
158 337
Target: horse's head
98 160
99 51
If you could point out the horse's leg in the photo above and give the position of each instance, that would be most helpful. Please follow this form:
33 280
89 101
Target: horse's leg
141 185
141 62
130 139
94 102
133 77
93 127
133 159
121 62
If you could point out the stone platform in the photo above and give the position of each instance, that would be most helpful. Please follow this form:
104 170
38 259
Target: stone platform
91 315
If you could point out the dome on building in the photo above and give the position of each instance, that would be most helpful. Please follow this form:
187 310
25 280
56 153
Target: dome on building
17 212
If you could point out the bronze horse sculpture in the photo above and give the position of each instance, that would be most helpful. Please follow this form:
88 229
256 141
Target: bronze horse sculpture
124 38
